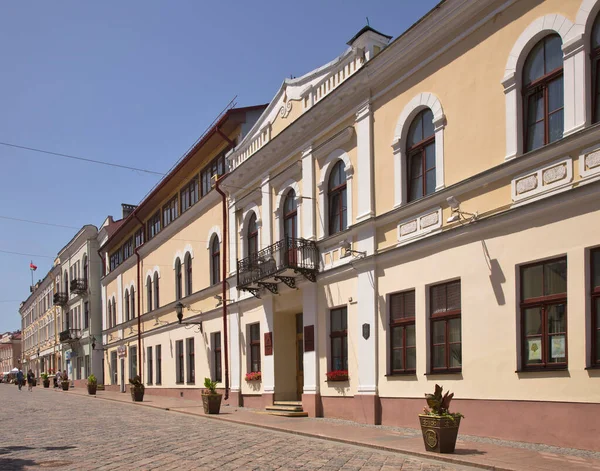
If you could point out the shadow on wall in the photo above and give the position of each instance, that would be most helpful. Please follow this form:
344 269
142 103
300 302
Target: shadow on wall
497 278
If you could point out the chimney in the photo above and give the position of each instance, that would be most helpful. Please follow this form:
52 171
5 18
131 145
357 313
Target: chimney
127 209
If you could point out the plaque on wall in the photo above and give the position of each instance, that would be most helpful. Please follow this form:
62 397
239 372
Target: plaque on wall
309 338
268 343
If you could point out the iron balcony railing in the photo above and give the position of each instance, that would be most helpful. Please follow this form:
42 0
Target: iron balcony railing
69 336
299 255
60 299
78 285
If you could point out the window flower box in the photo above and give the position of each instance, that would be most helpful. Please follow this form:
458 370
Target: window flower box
337 375
254 376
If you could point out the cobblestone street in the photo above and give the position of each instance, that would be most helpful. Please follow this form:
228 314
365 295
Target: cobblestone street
70 432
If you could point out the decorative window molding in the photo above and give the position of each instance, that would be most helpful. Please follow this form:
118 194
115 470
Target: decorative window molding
280 201
419 226
542 182
150 272
328 165
410 111
178 256
589 164
252 208
215 230
574 77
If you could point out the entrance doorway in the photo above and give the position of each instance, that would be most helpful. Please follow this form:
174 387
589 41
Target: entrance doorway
299 356
122 375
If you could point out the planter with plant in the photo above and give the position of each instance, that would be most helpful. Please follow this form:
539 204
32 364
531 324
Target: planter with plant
65 383
438 424
45 380
253 376
137 389
92 385
211 399
337 375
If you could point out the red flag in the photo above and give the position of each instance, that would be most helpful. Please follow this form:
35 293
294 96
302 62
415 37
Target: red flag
32 266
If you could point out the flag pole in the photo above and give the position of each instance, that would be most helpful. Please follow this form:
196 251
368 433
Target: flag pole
31 270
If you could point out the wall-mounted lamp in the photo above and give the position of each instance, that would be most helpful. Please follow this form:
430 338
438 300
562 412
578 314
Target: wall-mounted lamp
220 300
347 248
93 342
457 214
179 311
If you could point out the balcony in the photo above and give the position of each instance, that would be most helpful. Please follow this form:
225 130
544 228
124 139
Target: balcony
280 262
60 299
69 336
78 286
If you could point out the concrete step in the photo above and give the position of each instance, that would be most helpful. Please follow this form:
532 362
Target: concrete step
287 403
284 408
288 414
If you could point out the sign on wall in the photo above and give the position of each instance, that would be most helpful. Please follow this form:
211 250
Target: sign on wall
268 343
309 338
121 351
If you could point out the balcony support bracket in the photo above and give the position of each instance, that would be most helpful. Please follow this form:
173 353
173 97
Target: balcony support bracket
272 287
290 281
253 291
310 275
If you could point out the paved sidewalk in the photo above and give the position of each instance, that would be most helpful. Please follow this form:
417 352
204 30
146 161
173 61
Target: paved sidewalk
469 452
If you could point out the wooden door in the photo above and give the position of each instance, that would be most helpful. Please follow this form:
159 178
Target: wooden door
299 357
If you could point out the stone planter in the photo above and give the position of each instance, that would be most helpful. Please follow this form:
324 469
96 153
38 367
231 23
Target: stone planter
211 403
46 383
92 389
65 385
137 394
439 433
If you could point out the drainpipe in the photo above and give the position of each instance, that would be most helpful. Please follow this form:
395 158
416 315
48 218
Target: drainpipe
139 307
224 282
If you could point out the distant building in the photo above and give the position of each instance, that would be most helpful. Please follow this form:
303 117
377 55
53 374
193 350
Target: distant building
10 351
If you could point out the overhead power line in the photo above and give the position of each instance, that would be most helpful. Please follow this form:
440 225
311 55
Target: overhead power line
26 254
38 222
83 159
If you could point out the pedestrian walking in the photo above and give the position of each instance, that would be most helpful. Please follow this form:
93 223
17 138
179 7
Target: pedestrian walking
20 379
30 379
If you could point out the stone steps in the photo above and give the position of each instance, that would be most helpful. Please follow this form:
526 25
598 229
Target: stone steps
286 409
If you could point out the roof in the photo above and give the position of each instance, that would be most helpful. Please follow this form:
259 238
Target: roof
113 227
364 30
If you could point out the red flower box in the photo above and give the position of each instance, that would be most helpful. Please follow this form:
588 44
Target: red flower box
254 376
337 375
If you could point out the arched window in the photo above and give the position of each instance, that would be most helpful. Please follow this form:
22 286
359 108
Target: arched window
156 298
420 151
595 48
290 216
109 314
215 259
252 236
543 93
188 274
66 282
114 311
126 303
85 267
338 218
149 293
178 280
132 294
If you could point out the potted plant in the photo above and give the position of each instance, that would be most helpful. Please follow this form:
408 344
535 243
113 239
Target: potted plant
45 380
137 389
211 399
92 385
337 375
65 383
438 425
253 376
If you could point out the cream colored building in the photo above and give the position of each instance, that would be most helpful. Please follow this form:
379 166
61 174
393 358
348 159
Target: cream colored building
10 351
40 327
417 211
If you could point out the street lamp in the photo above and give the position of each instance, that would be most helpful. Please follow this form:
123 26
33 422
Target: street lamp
179 311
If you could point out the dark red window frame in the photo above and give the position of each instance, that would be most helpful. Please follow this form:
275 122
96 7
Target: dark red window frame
255 347
402 316
544 303
178 280
217 357
595 58
180 361
215 254
337 194
417 151
188 272
595 299
339 334
191 365
252 236
444 317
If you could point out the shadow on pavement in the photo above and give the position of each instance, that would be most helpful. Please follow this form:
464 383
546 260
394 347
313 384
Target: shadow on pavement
468 451
15 464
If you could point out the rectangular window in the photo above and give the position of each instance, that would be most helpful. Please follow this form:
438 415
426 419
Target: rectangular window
149 365
544 314
116 259
154 225
595 265
216 342
191 363
128 249
189 195
86 315
445 327
170 211
138 237
132 362
87 366
403 350
179 362
338 336
215 168
254 347
158 364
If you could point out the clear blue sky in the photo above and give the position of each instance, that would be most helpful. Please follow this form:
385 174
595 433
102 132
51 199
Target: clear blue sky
136 83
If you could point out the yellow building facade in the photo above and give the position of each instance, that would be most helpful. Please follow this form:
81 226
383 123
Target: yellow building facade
416 211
